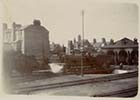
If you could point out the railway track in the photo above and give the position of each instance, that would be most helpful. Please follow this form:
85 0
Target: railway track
27 90
34 76
130 92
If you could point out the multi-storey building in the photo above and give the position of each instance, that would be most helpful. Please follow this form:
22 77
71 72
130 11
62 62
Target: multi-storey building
32 40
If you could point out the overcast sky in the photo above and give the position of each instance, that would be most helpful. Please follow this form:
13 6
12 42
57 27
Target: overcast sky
63 18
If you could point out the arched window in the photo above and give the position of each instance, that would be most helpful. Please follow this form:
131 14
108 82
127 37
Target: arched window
122 56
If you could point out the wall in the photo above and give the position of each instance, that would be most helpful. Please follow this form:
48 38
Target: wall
36 41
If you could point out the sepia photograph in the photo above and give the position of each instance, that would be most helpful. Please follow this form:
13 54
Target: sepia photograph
83 48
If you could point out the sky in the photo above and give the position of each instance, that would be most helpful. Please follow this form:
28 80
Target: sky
63 18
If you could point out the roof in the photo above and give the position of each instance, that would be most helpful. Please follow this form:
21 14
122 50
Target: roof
123 43
24 27
33 27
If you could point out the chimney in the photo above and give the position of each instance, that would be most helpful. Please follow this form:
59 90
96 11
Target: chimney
5 27
94 41
36 22
79 38
111 42
104 41
13 31
135 41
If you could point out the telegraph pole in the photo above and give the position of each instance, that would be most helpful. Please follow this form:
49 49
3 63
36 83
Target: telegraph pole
82 50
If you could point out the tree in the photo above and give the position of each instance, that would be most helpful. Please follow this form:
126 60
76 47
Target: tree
104 41
111 42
